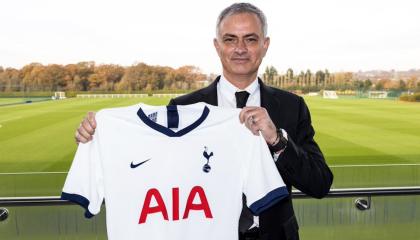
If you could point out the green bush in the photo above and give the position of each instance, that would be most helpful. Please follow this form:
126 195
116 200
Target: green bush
410 98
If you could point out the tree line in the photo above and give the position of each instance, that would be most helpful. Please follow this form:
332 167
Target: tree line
88 76
307 81
141 77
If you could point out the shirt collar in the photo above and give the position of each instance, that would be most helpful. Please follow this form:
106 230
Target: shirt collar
228 89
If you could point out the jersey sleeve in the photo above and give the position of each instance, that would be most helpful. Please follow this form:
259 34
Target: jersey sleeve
263 185
84 182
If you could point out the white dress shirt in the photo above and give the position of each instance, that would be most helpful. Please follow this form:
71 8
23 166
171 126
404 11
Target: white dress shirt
226 93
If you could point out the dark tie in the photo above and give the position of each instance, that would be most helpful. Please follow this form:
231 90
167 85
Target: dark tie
241 98
247 219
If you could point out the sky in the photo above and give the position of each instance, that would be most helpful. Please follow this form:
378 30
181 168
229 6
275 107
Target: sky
340 35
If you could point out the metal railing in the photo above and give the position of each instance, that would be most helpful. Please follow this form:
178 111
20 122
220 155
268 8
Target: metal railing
334 193
376 213
356 192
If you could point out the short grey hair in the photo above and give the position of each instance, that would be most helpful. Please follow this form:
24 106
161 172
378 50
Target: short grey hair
237 8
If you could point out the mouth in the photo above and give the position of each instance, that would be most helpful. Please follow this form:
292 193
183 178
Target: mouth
240 60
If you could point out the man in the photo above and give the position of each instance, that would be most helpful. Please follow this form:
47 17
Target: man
281 117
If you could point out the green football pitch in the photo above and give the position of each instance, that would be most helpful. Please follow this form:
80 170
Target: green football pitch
367 143
4 101
18 100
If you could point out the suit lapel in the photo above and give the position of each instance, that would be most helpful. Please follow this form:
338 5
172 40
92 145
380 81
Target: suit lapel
209 94
269 102
267 99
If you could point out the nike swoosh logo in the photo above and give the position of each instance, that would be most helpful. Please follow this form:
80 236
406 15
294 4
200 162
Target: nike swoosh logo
138 164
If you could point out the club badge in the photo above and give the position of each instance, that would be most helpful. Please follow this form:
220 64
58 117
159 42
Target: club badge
206 167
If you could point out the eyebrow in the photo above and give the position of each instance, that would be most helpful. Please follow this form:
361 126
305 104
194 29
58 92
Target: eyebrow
229 35
246 36
252 35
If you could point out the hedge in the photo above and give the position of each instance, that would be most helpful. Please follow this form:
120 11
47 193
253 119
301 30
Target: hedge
410 98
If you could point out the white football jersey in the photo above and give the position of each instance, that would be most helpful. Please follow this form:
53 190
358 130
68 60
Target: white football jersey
173 172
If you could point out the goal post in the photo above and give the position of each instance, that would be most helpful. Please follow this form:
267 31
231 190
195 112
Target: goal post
329 94
59 95
377 94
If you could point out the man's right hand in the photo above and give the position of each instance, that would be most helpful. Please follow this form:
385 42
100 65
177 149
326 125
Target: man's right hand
86 129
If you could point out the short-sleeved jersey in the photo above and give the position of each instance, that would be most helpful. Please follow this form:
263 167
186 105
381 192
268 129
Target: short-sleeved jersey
173 172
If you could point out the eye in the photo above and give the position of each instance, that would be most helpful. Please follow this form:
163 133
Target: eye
228 40
251 40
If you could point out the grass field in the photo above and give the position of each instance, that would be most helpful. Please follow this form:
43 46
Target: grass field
18 100
38 138
10 100
368 143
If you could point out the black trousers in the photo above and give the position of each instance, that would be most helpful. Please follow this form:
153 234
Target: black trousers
251 234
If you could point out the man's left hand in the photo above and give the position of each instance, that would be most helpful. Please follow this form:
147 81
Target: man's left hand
257 120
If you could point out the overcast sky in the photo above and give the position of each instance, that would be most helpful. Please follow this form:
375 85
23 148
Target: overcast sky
339 35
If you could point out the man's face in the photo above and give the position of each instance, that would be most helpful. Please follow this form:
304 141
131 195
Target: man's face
241 44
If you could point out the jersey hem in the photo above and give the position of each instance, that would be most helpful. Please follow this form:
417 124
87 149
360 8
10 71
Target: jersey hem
80 200
268 200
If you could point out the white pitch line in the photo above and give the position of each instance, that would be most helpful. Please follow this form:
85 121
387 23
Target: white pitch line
375 165
29 173
10 119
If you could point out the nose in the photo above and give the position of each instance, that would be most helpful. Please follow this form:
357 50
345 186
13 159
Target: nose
241 47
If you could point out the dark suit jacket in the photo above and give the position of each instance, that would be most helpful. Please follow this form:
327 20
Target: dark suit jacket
301 165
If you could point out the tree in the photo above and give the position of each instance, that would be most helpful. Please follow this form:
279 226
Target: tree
301 79
367 84
308 76
85 76
105 77
270 74
10 80
384 84
319 78
28 75
327 77
411 83
53 78
188 77
94 82
359 85
343 79
83 71
289 74
135 78
402 86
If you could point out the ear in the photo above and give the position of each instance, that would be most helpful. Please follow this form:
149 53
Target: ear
216 46
266 44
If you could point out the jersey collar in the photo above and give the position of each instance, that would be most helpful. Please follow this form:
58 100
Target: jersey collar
169 132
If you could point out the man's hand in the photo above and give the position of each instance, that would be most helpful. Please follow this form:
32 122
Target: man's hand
257 120
86 129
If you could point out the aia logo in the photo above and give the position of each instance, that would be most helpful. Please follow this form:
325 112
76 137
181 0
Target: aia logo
206 167
196 201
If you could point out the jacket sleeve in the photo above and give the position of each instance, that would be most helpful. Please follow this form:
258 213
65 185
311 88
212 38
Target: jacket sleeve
302 164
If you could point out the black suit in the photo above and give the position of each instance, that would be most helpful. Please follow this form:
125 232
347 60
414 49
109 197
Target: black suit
301 165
